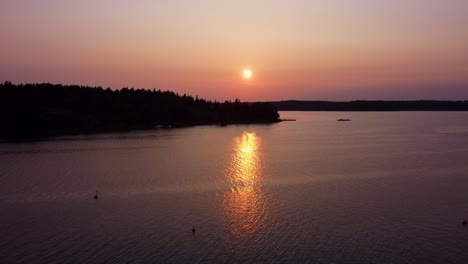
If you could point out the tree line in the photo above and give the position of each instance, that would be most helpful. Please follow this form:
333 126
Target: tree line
32 110
362 105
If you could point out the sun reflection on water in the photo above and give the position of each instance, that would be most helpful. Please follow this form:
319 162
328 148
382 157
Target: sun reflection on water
245 204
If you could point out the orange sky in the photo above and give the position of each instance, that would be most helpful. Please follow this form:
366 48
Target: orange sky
308 50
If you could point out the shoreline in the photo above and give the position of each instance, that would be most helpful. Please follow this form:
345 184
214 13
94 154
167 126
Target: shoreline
50 135
370 106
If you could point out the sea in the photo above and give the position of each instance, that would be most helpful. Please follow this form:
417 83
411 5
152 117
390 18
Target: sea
383 187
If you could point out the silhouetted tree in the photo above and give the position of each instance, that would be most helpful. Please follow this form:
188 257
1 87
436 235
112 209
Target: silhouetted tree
421 105
52 109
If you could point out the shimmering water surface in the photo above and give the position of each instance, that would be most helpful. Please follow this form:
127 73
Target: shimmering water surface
383 188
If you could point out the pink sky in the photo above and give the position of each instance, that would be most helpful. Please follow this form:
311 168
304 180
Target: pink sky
306 50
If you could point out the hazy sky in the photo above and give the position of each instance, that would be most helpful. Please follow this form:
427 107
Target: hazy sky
317 50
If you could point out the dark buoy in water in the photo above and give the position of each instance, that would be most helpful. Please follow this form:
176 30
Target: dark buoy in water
464 223
95 196
193 230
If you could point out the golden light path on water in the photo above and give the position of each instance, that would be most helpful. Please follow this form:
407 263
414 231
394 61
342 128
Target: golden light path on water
244 205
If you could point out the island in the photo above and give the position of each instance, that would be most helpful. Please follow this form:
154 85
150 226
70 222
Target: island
41 110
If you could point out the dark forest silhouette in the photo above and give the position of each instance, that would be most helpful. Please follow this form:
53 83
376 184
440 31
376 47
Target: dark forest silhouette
361 105
35 110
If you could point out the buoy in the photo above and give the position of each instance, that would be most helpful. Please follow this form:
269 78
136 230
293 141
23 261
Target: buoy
193 230
95 196
464 223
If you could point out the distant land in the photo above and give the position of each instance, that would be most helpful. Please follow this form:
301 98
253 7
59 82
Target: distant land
361 105
41 110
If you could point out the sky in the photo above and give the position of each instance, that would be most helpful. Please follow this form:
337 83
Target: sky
297 49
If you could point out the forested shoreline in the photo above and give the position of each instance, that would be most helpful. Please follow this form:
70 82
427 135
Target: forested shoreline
363 105
38 110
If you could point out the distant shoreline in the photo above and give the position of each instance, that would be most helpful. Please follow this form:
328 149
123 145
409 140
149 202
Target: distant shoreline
371 106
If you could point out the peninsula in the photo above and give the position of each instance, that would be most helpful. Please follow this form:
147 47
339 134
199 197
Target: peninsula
39 110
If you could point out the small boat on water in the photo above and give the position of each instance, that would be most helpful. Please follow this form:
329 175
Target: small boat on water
343 120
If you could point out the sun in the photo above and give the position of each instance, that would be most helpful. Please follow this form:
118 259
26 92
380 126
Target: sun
247 74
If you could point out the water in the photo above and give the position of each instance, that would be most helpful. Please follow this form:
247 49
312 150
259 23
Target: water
383 188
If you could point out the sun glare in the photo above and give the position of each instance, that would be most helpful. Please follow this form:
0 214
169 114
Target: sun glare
247 74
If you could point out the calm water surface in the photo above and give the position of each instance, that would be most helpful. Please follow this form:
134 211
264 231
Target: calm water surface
383 188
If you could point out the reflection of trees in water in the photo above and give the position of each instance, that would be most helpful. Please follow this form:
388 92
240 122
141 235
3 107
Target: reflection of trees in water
245 204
